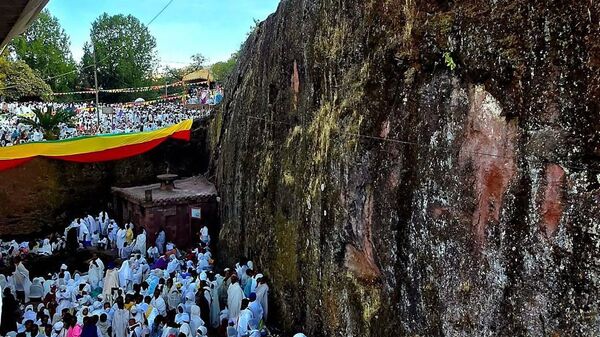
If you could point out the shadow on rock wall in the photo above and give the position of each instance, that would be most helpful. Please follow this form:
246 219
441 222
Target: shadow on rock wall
44 194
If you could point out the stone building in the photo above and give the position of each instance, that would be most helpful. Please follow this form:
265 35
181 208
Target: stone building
181 207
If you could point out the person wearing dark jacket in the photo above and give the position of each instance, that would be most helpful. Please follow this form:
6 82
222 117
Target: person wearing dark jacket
10 313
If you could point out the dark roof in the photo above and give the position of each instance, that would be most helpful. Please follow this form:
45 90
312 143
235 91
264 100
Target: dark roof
16 16
189 190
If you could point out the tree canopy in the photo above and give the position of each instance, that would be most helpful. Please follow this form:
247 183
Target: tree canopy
125 55
222 70
45 48
19 82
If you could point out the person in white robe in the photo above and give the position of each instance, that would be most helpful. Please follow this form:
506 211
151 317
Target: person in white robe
159 303
120 321
153 253
113 229
93 274
195 320
92 224
173 265
204 237
214 305
111 281
84 232
140 243
243 327
120 239
125 275
21 280
160 242
46 248
262 295
99 271
235 294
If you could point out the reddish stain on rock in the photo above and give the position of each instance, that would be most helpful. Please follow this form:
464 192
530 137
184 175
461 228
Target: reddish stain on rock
552 200
295 83
438 211
488 147
359 257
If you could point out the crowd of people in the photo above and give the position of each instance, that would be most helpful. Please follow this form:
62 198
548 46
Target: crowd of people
202 95
123 118
131 288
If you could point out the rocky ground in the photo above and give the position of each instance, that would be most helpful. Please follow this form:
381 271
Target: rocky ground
418 168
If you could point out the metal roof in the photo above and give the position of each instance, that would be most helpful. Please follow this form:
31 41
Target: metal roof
16 16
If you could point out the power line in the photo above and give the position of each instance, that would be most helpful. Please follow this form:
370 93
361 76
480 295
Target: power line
103 59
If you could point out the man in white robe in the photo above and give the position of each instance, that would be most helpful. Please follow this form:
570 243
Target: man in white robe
111 281
159 303
262 295
120 321
46 248
84 232
243 327
140 243
124 275
160 242
21 280
235 294
92 224
121 235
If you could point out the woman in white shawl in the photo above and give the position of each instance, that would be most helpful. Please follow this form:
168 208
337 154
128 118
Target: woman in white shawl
46 248
204 237
21 280
262 295
214 303
124 275
29 314
93 274
64 299
173 265
111 281
121 235
195 320
99 272
140 243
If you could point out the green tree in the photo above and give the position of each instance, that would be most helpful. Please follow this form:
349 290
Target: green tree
198 61
49 121
222 70
125 55
45 48
19 82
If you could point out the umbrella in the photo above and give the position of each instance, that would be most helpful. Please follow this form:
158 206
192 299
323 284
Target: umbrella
139 100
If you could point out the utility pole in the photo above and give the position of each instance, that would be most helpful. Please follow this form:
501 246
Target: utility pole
166 90
96 84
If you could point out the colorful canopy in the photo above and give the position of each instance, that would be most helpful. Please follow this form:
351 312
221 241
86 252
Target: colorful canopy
93 148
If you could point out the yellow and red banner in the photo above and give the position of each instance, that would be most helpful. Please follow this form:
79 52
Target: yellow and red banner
93 148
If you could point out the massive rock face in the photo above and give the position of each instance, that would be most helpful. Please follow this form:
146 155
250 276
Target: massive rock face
45 195
418 168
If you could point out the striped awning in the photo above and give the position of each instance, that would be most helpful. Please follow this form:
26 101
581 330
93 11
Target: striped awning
93 148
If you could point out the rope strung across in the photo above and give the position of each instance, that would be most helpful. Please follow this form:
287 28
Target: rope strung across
91 149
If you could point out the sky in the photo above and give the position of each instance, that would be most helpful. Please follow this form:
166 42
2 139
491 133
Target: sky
214 28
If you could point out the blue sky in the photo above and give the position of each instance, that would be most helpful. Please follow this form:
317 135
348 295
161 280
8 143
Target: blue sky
215 28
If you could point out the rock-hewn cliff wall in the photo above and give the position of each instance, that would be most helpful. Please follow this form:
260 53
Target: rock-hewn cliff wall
43 194
431 168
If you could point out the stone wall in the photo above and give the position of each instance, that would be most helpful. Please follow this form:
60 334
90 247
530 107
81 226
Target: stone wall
45 195
418 168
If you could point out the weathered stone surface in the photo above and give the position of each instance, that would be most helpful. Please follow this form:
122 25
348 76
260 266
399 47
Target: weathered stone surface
46 194
418 168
